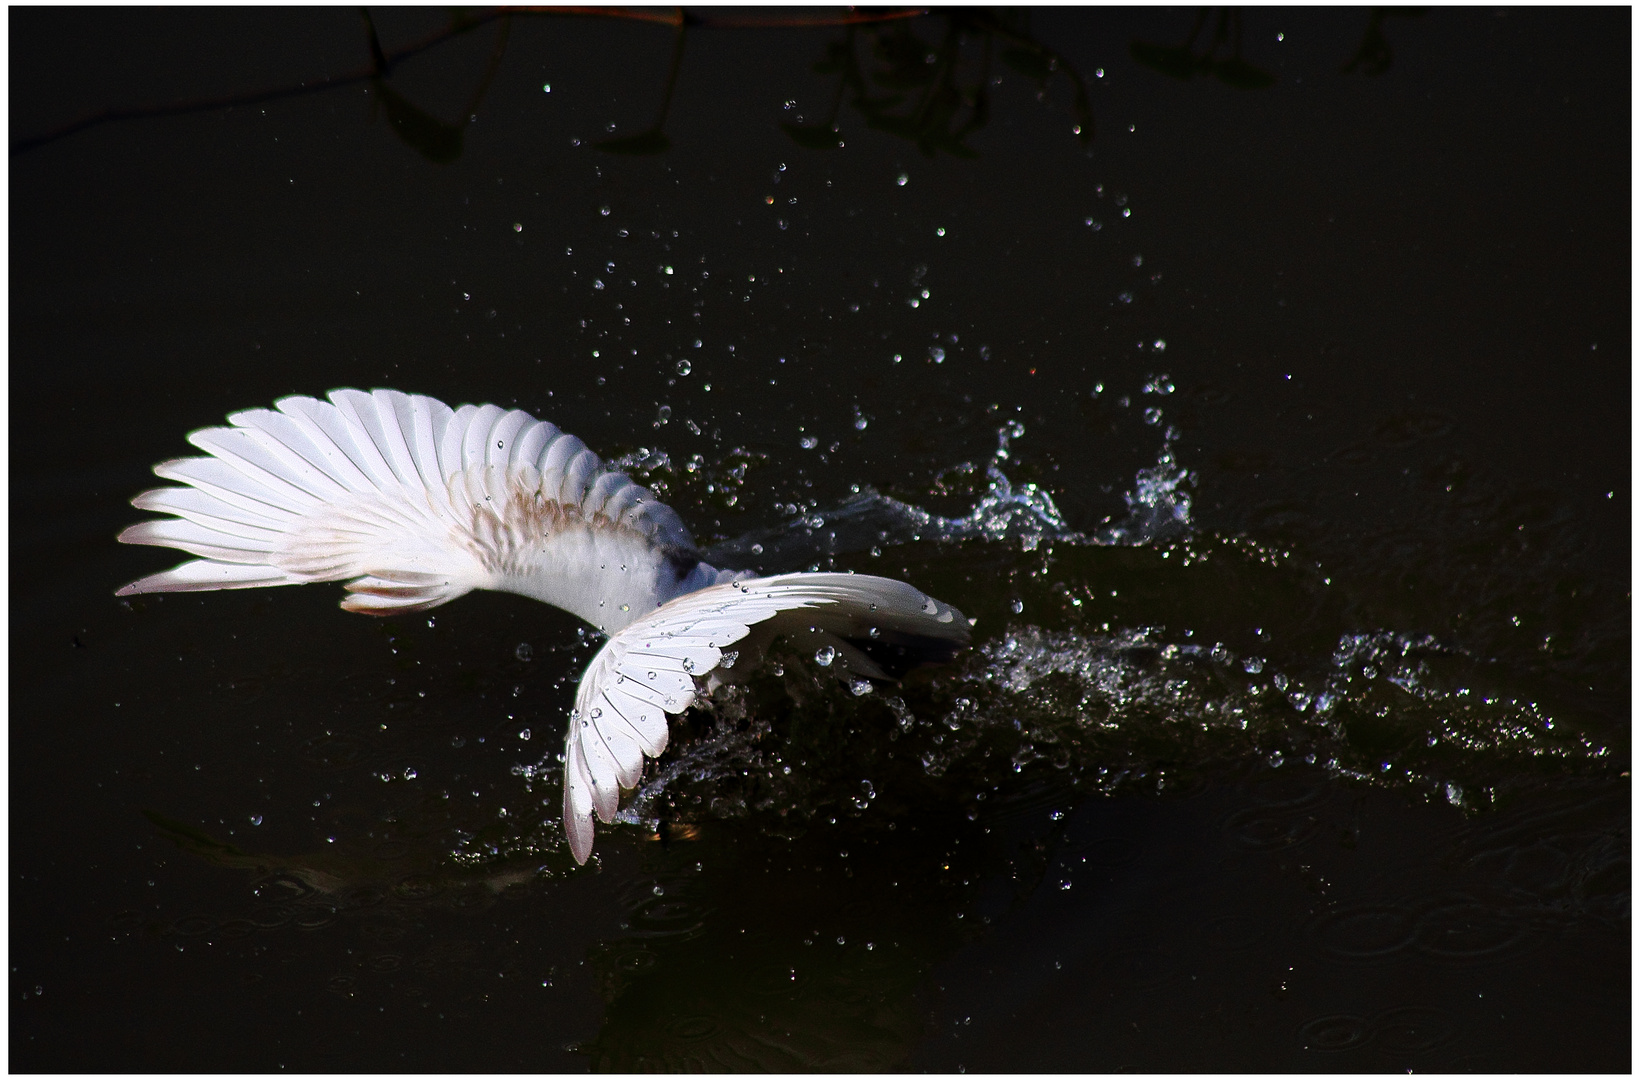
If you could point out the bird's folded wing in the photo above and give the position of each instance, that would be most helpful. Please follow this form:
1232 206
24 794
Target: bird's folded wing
410 501
656 666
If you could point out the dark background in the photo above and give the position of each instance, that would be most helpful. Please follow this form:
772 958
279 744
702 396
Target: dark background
249 832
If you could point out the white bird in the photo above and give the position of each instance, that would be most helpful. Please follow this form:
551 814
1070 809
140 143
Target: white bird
412 504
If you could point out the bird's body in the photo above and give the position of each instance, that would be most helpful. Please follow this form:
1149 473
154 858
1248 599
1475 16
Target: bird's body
412 504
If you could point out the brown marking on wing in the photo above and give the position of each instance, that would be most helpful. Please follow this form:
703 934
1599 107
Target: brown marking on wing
502 537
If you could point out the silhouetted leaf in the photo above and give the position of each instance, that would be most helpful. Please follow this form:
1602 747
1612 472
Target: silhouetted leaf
646 142
1028 62
813 136
1242 75
1175 60
431 138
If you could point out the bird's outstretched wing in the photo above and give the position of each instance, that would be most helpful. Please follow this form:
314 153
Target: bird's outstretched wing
413 504
870 627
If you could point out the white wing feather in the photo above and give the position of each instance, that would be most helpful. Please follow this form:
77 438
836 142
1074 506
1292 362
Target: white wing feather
413 503
659 664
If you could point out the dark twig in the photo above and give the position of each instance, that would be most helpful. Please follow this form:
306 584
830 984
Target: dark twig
377 58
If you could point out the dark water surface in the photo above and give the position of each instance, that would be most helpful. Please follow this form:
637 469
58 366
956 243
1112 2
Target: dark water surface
1278 439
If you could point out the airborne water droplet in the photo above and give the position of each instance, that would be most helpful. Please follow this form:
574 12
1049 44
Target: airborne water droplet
825 656
684 367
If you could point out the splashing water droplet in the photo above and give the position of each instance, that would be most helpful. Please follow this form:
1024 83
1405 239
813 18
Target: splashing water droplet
859 687
524 652
808 442
1253 665
825 656
684 367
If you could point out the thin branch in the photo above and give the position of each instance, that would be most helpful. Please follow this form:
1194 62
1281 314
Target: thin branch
383 62
255 97
730 22
378 59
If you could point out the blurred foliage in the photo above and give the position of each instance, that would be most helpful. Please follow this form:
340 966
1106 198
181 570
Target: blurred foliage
1183 62
935 94
1372 57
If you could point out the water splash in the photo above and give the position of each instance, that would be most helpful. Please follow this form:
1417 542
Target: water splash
1158 506
1135 708
1006 513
